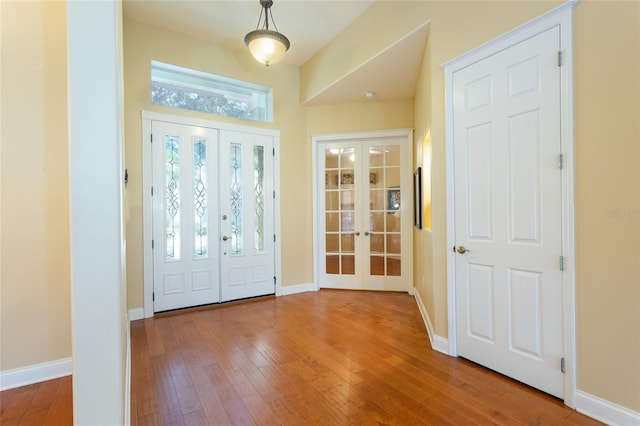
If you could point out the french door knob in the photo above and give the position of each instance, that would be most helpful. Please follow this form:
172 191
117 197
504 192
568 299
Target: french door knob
366 234
357 233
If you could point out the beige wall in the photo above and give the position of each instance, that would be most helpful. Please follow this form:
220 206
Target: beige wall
143 43
607 154
607 164
35 311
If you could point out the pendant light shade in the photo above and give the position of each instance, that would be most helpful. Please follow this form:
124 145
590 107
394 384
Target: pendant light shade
267 46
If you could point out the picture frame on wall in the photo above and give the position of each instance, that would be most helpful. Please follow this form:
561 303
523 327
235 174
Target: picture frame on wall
417 198
393 199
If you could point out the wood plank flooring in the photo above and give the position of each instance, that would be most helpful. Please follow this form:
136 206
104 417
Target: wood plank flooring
325 358
45 403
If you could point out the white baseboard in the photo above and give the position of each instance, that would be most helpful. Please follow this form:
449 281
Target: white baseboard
35 373
438 343
136 314
288 290
605 411
127 376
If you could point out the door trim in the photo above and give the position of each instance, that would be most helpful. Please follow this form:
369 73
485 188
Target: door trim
147 203
560 16
348 136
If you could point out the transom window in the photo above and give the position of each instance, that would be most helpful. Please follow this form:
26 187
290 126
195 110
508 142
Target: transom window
184 88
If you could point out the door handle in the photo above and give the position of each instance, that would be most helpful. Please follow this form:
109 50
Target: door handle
225 238
462 250
357 233
366 234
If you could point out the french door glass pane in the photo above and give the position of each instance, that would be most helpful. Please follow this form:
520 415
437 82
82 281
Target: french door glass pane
200 210
340 210
385 201
172 194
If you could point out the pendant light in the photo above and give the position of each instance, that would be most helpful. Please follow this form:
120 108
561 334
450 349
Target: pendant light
267 46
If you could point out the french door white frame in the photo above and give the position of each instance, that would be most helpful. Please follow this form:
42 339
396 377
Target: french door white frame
350 136
147 201
560 16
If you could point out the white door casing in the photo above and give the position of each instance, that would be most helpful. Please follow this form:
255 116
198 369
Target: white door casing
363 241
509 120
154 207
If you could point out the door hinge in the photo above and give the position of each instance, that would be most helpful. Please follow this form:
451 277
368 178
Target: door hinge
153 296
274 195
563 365
274 281
274 238
151 137
559 58
562 263
560 161
274 152
152 244
152 191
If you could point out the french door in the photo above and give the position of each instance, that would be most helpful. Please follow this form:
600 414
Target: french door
363 212
213 215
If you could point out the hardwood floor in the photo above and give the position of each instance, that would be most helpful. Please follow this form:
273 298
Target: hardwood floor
325 358
45 403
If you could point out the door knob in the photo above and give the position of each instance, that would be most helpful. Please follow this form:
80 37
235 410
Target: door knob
366 234
357 233
225 238
462 250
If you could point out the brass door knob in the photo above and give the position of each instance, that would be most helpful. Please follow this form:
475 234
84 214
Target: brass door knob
462 250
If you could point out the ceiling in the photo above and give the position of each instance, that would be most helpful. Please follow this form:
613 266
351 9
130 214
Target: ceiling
308 24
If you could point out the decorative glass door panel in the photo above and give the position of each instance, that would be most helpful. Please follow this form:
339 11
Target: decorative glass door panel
362 218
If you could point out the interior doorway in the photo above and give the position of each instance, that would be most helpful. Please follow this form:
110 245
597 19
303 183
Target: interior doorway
363 210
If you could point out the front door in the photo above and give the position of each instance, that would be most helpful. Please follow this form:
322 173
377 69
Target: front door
508 217
185 222
246 212
213 215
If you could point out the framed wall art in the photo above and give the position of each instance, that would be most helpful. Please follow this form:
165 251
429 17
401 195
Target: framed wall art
417 198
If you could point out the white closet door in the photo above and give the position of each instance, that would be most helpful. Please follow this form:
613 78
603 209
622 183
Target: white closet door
508 214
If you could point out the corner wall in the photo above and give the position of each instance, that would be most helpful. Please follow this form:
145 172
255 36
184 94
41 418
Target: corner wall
35 313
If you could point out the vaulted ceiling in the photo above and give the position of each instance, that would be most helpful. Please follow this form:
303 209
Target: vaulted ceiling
309 25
